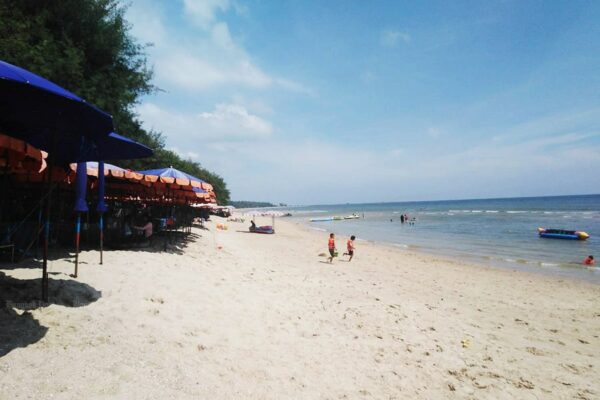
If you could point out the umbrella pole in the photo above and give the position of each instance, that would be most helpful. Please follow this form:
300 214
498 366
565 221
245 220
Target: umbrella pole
77 236
101 224
45 282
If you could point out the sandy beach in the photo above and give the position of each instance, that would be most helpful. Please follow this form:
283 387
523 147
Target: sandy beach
233 315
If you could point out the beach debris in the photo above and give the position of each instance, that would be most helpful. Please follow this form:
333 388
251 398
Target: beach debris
201 347
523 383
535 351
451 387
466 343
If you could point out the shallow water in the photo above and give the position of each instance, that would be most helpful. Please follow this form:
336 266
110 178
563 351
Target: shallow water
501 232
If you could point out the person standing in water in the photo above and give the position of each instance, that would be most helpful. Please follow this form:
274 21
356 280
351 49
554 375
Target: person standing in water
331 246
589 260
402 218
350 248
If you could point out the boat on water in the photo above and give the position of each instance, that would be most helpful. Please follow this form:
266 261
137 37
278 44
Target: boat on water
562 234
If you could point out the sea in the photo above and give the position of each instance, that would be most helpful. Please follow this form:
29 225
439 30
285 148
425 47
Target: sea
496 232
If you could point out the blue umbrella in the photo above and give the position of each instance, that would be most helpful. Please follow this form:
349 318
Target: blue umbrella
173 173
50 118
116 147
179 177
80 206
47 116
111 147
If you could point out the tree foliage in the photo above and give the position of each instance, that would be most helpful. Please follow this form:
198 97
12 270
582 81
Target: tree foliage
85 46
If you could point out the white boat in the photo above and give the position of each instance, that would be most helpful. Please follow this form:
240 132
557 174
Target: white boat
335 218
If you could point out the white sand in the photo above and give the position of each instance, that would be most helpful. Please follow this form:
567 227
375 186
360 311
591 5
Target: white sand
265 318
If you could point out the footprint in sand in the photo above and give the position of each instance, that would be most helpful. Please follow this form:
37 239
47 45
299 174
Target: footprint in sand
571 368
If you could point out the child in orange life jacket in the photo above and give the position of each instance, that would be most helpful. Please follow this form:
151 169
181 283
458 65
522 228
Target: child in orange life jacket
350 247
331 246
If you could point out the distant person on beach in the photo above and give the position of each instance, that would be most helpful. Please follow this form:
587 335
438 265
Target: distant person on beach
331 246
589 260
252 226
402 218
350 248
146 229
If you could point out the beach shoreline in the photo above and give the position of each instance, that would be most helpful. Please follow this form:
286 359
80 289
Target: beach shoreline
576 271
231 314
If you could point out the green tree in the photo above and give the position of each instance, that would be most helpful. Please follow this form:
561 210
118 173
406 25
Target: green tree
85 46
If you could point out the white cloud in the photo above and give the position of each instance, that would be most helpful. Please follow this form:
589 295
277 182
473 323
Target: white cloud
192 155
434 132
146 23
194 73
227 122
316 172
203 12
390 38
205 59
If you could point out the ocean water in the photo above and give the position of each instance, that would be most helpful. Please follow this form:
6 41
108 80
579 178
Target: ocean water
499 232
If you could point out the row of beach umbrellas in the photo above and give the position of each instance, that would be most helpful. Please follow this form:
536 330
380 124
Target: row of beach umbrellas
70 130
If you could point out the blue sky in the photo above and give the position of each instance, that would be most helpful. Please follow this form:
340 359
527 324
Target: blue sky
310 102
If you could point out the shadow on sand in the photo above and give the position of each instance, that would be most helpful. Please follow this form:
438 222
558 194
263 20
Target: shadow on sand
18 327
173 242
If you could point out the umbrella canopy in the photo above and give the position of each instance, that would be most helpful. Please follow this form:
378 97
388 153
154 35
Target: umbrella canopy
48 116
112 171
174 176
17 155
117 147
109 169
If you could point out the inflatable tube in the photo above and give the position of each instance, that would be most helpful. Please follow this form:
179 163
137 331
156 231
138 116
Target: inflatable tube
562 234
267 229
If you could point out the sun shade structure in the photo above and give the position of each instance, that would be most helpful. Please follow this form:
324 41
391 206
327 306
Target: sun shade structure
116 147
52 119
17 155
174 176
48 116
113 146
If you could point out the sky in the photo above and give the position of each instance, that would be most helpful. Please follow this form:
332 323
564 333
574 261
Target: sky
314 102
